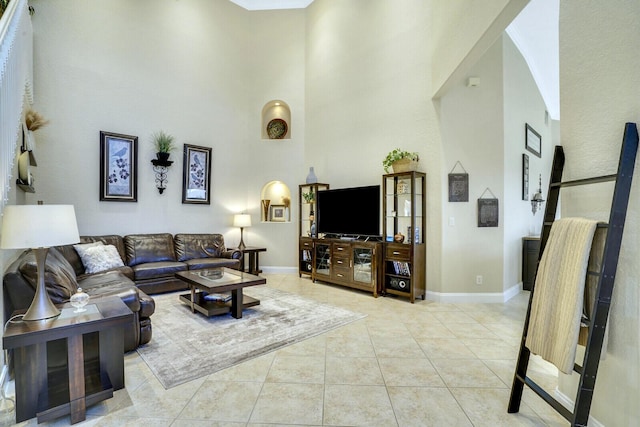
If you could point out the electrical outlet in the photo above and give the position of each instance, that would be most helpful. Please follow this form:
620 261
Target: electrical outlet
478 280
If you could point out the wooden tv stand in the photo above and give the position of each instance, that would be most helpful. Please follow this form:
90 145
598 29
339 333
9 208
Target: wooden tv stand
351 263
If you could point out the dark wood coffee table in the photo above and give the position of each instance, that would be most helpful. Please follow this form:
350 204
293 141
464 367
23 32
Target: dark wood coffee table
219 281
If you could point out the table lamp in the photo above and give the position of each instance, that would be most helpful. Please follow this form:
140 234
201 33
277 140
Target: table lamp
39 227
242 221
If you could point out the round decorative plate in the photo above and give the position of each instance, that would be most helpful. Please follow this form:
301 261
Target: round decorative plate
277 129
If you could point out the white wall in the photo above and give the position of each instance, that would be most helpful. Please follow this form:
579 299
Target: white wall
472 133
198 69
523 103
483 128
599 92
368 91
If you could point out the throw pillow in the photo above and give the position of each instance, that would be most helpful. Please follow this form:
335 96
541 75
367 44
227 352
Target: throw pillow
82 248
99 257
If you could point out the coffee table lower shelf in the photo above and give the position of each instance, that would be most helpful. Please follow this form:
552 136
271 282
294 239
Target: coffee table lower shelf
214 308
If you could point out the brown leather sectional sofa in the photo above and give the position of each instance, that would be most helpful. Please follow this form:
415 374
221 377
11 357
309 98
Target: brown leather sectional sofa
150 262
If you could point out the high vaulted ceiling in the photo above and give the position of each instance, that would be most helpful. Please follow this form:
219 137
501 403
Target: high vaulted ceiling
272 4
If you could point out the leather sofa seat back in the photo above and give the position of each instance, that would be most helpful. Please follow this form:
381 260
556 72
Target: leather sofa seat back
191 246
59 277
143 248
74 259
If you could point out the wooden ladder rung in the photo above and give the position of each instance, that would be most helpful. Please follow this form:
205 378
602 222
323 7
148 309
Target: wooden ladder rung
567 414
584 181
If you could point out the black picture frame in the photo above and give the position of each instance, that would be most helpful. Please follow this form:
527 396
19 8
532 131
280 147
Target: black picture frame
458 187
532 140
196 175
118 167
488 212
525 177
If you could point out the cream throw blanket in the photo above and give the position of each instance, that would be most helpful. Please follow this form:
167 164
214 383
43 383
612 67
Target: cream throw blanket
558 294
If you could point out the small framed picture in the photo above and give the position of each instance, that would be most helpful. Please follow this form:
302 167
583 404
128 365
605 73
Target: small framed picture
533 140
487 212
118 167
525 177
196 175
278 213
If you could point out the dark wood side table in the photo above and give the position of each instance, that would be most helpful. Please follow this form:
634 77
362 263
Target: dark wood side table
47 388
254 263
530 250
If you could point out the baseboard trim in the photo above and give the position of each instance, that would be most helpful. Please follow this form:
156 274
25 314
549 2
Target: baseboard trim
569 403
480 297
279 270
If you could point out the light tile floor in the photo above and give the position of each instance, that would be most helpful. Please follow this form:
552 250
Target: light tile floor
422 364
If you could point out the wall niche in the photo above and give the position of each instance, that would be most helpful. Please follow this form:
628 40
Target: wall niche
276 120
275 201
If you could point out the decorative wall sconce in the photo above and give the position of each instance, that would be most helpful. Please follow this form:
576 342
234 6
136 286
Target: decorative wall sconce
537 200
161 167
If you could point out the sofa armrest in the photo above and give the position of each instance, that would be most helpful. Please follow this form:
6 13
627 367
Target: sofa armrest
231 254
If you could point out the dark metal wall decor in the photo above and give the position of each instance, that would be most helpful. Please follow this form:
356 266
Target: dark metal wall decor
488 210
458 185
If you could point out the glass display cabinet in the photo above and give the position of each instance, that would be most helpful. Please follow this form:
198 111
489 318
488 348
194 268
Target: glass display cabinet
404 224
307 228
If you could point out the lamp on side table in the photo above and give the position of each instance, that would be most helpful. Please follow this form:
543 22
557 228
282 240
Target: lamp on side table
39 227
242 221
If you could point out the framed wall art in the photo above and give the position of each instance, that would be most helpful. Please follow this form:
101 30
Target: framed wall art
533 140
488 209
118 167
278 213
196 175
525 177
458 185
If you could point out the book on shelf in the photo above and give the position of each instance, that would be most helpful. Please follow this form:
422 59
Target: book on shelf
401 268
218 297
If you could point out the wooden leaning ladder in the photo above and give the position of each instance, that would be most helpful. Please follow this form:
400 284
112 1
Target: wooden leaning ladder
597 322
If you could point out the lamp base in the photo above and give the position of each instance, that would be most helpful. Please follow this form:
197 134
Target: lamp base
241 246
41 306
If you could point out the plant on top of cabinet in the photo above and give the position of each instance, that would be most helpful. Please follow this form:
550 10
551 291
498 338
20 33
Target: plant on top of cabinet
400 160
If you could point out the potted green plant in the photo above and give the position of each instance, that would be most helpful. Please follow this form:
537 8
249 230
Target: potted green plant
400 161
164 143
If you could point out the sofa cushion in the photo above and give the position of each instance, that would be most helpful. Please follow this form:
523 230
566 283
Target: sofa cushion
200 263
190 246
108 239
99 257
59 278
144 248
152 270
112 283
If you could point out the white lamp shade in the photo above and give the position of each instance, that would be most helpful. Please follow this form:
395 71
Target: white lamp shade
38 226
242 220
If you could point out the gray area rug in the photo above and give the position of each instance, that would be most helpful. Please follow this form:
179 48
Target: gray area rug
186 346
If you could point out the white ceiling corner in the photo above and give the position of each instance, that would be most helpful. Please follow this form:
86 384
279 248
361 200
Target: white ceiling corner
272 4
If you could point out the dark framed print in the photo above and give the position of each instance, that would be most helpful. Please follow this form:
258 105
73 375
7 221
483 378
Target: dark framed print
533 140
196 175
278 213
118 167
458 187
487 212
525 177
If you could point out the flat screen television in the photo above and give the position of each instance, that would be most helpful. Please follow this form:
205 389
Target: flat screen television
352 212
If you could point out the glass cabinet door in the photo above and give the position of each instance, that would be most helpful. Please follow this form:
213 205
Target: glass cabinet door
323 259
363 264
403 203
